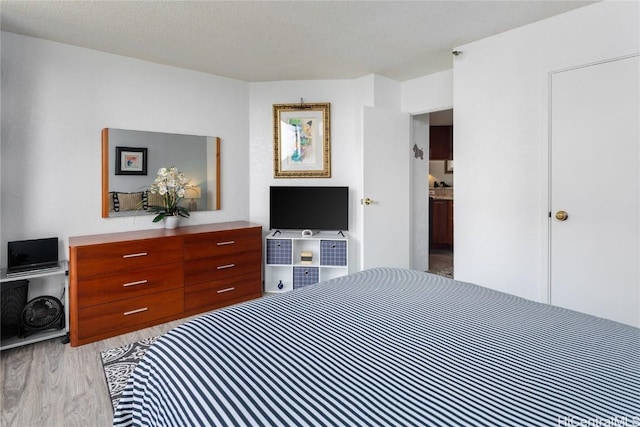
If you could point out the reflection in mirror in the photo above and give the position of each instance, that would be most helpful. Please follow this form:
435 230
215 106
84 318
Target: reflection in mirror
131 159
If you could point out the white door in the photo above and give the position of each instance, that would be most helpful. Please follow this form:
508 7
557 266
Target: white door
386 219
595 163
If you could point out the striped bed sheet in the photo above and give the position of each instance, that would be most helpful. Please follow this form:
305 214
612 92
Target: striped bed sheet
389 347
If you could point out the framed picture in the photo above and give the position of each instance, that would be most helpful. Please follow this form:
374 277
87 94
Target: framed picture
131 161
448 166
301 140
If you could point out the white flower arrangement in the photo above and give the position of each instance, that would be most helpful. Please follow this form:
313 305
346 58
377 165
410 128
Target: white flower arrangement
171 184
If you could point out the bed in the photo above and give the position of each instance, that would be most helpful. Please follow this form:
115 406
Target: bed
389 347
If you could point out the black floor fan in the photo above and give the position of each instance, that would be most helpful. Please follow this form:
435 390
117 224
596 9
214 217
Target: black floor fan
42 313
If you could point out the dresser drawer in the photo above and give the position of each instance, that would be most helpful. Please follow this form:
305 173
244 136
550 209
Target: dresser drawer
126 256
112 317
204 270
215 293
130 284
122 282
222 243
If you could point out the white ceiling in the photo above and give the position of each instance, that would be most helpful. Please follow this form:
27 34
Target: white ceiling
279 40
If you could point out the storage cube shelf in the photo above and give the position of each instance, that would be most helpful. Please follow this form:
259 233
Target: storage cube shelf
303 276
333 252
285 267
278 251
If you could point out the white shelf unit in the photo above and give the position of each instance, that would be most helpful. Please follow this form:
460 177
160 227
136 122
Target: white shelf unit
42 283
284 269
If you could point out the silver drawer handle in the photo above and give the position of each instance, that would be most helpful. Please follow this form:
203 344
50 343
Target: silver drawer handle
139 282
222 267
135 255
140 310
221 291
230 242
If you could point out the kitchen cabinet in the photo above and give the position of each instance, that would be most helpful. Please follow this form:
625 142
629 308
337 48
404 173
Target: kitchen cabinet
441 143
441 223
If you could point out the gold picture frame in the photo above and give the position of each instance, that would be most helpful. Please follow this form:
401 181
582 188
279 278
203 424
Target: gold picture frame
301 140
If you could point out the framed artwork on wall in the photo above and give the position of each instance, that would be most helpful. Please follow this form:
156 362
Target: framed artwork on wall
448 166
131 161
301 140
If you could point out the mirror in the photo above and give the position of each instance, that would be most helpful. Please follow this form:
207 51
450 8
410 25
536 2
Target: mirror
131 159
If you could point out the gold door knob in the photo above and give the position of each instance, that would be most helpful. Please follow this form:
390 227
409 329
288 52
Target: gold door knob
367 201
562 216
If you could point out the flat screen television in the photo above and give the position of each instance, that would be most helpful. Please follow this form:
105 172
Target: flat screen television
309 208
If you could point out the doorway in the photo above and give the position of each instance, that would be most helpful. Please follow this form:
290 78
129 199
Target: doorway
441 192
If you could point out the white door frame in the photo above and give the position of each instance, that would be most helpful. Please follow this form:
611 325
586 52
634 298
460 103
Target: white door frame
418 200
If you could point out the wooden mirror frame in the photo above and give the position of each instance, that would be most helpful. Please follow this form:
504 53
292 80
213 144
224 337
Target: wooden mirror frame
105 173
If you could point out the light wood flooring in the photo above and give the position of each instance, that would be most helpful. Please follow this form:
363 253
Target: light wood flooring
53 384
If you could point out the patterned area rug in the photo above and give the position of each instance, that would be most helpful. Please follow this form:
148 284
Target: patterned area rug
118 364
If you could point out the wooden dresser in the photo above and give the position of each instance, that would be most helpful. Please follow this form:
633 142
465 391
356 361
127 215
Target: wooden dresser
121 282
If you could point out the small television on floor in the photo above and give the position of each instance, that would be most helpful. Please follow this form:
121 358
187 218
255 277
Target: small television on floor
309 208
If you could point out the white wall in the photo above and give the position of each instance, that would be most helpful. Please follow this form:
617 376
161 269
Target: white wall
500 142
420 193
347 98
56 99
427 94
419 97
346 165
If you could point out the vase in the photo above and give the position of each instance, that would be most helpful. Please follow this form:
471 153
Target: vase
171 222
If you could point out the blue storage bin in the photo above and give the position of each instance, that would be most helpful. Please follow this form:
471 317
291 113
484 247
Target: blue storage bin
303 276
333 252
278 251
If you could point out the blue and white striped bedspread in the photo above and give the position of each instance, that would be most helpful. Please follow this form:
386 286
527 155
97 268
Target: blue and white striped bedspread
389 347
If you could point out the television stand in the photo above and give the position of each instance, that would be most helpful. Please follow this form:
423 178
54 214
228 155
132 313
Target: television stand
285 268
